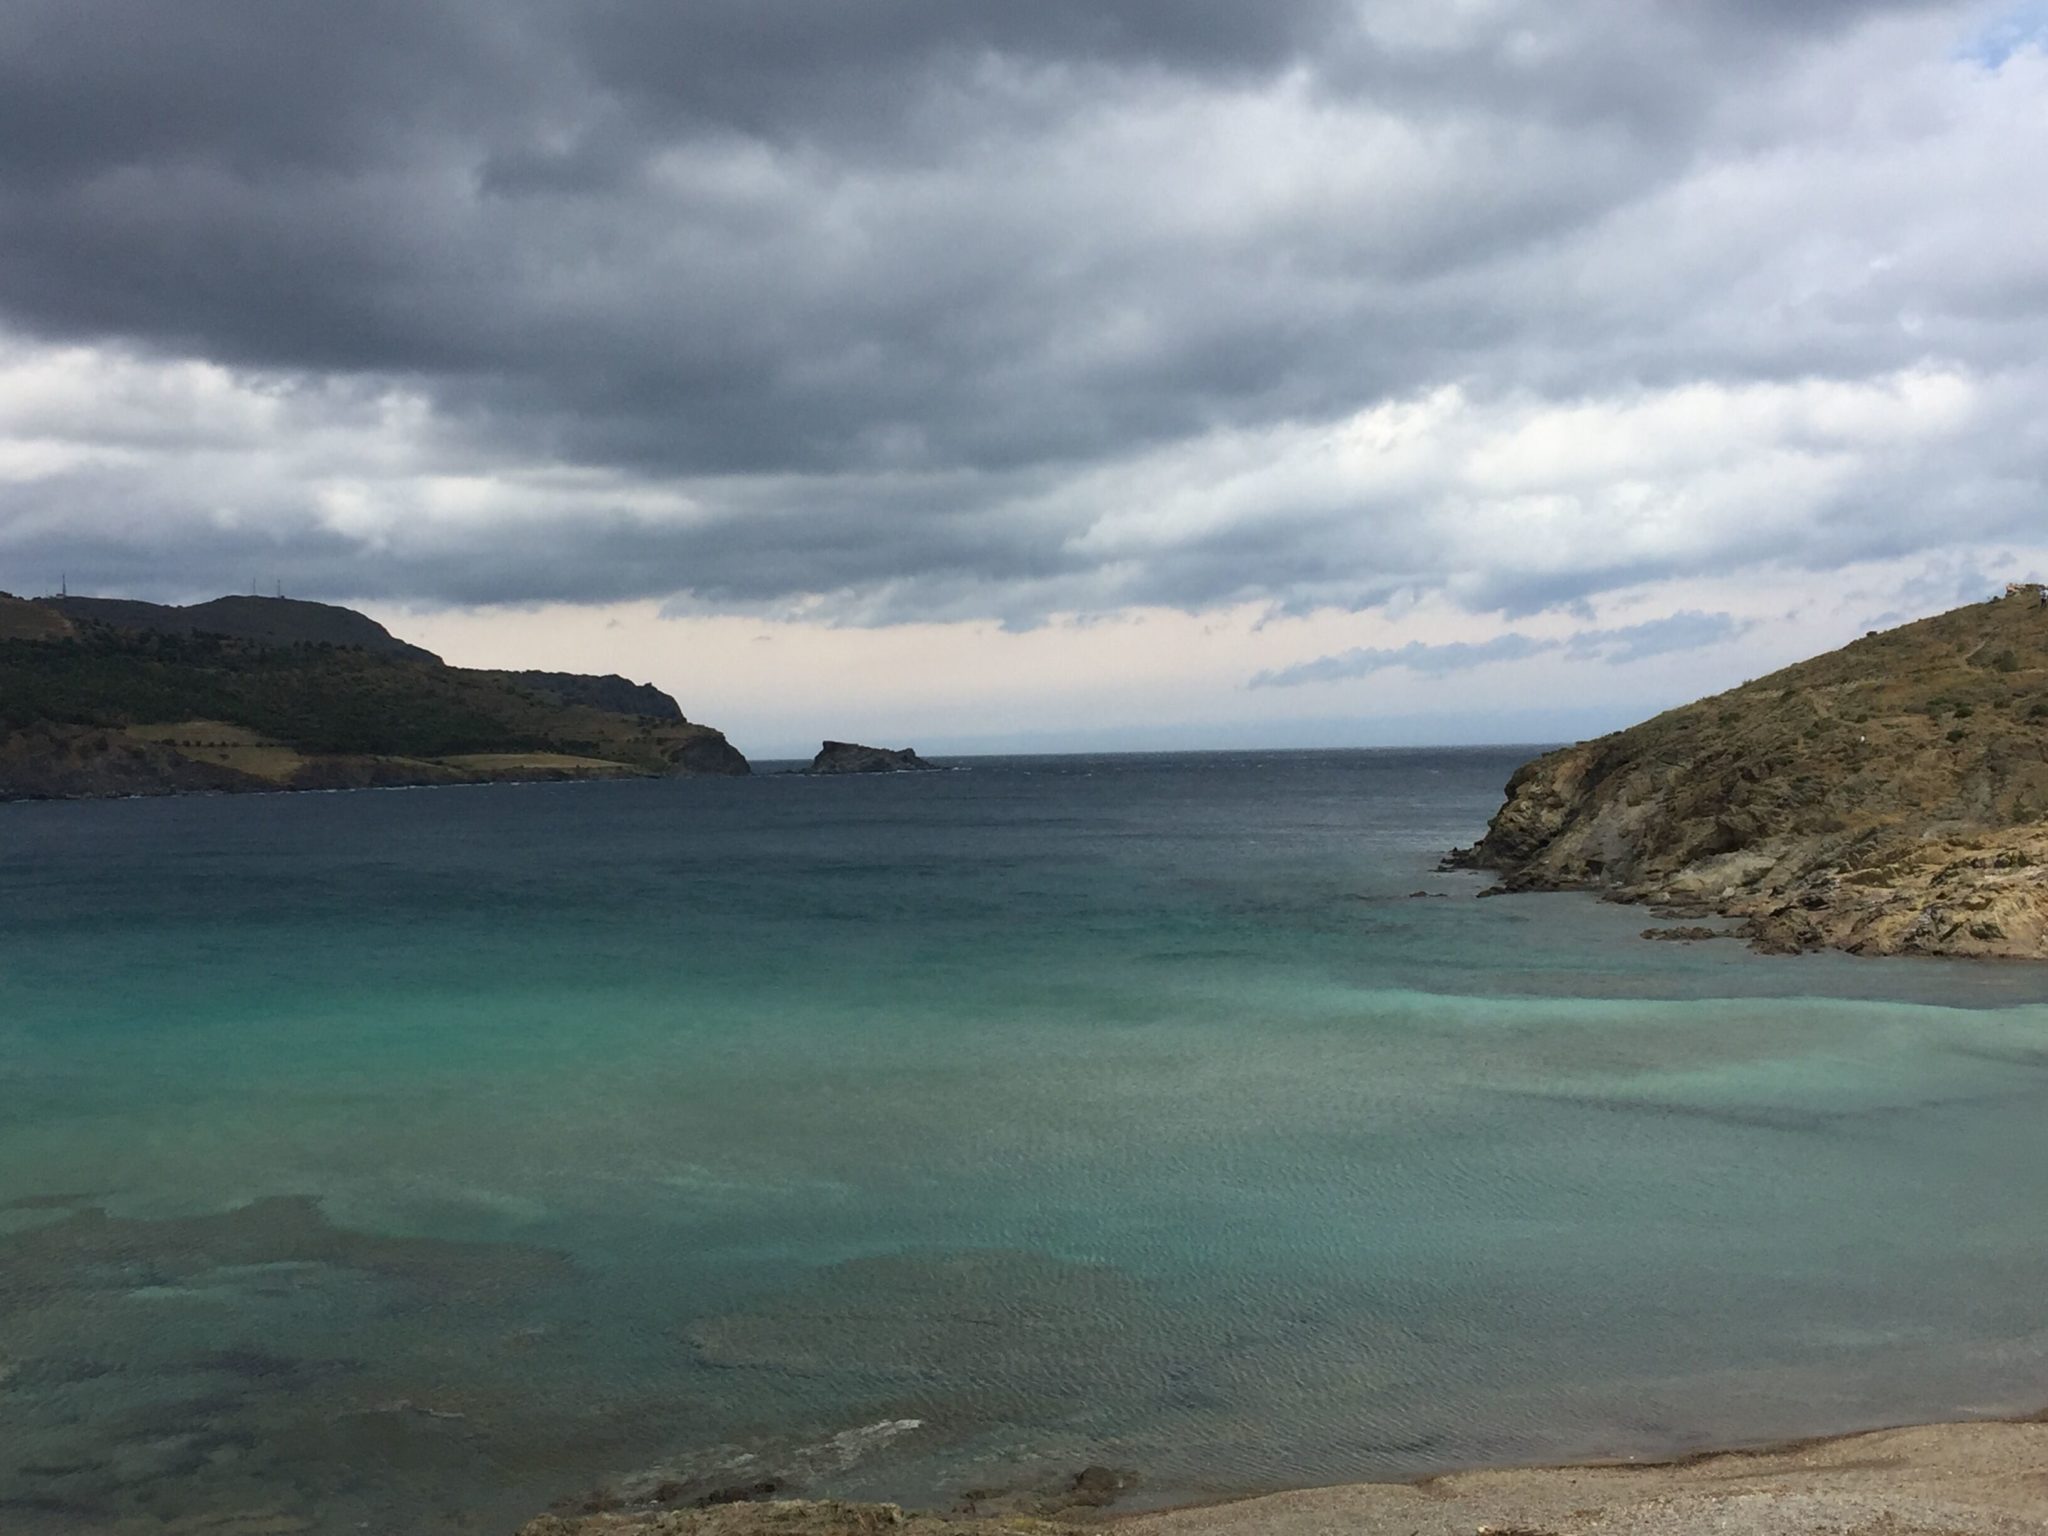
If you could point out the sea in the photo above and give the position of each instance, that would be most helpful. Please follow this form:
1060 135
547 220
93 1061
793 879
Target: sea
426 1160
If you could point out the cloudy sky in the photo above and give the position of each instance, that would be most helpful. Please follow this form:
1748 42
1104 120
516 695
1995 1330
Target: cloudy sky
1157 373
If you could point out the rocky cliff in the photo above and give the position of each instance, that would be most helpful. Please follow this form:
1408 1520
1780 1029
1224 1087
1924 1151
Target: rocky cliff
1887 798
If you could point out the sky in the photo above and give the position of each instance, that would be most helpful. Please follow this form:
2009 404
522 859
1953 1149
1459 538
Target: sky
1005 376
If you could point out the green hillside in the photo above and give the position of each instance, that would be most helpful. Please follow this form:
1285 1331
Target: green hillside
287 713
270 620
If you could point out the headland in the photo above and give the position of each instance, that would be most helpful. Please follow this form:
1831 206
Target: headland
106 697
1887 798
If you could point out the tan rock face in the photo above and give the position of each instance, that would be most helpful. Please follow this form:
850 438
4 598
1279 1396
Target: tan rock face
1887 798
1984 896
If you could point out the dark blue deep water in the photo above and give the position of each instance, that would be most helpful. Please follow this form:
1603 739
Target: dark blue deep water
414 1160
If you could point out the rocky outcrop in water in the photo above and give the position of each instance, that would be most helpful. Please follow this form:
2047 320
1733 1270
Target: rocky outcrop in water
1887 798
851 757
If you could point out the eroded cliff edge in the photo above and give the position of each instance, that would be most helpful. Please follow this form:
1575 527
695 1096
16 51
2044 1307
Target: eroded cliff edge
1887 798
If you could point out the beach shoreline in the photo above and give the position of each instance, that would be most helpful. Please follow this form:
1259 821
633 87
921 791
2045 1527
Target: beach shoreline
1977 1475
1972 1477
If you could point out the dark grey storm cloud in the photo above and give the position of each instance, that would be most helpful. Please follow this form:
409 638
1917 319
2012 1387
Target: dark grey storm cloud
927 307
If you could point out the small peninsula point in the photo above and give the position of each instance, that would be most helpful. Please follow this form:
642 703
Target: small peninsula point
1887 798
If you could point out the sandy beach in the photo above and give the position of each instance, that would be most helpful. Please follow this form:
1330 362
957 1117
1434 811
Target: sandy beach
1981 1479
1967 1478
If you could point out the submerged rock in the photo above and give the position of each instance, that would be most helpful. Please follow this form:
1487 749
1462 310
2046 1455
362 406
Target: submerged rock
1094 1487
851 757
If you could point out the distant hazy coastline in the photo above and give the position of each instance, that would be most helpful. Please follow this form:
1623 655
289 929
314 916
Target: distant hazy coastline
105 698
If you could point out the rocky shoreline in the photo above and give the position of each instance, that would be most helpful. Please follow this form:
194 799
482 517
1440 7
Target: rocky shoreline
1968 1479
1890 798
1086 1496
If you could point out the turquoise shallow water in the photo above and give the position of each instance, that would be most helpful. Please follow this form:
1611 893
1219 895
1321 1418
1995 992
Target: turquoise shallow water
424 1158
